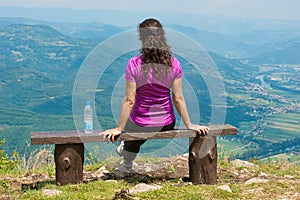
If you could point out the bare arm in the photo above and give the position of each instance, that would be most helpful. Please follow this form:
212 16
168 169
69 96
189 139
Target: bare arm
180 105
126 108
179 102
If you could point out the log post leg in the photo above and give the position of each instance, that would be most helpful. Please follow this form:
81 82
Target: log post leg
69 160
203 160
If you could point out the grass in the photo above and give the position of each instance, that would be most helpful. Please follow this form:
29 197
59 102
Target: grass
292 158
92 190
190 192
276 172
107 190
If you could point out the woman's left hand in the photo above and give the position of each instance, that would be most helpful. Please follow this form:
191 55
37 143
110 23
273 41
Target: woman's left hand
110 134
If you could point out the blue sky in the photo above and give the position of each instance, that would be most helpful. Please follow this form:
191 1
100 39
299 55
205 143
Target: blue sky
276 9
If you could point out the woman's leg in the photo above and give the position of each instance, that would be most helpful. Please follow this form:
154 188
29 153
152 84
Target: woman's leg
130 149
134 146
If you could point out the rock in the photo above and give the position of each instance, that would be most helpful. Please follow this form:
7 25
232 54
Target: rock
142 187
261 174
236 173
244 171
101 172
111 181
186 155
289 177
51 192
225 187
256 180
242 163
255 190
148 169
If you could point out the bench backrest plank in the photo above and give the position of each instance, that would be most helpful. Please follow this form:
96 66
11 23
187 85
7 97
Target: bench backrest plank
76 136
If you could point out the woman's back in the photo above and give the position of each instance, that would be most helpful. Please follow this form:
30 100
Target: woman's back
153 105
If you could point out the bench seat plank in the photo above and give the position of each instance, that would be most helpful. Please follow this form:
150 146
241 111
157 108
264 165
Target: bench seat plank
76 136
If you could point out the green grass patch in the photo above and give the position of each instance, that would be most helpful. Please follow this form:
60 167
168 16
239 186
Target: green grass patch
91 190
195 192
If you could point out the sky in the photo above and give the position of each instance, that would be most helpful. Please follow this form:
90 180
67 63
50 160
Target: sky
273 9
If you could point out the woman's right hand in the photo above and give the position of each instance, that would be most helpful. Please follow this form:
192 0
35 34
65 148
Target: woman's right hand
201 130
110 134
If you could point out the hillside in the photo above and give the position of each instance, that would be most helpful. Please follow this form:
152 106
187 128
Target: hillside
156 178
218 43
38 63
283 52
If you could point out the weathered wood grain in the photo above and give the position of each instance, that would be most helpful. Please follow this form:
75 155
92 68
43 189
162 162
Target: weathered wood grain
69 159
203 157
69 150
76 136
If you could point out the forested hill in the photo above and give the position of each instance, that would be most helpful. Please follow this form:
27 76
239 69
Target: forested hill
39 63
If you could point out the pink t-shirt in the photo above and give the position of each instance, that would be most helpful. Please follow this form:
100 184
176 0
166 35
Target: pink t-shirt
153 105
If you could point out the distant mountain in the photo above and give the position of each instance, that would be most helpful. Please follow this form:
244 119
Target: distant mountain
284 52
89 30
76 30
261 46
237 45
263 37
37 64
219 43
220 24
7 21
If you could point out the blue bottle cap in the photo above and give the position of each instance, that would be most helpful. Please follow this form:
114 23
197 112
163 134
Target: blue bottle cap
88 103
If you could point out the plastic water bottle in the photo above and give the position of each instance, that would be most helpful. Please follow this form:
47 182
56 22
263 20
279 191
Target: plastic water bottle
88 118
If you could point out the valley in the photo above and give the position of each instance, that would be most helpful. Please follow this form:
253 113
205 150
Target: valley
39 64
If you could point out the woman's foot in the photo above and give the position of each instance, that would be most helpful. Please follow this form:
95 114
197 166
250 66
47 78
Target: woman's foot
124 170
120 149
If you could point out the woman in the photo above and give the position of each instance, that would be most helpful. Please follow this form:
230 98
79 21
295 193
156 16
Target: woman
147 105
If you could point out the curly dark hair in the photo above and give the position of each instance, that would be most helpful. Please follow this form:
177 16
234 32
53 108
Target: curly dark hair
155 50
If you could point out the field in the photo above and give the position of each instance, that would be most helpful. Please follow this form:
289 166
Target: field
293 158
282 127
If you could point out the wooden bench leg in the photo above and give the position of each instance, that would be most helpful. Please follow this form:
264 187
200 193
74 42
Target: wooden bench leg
69 160
203 160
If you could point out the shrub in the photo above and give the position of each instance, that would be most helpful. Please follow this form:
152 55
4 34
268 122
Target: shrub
7 163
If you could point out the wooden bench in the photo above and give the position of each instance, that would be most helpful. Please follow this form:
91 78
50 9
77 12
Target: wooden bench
69 150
